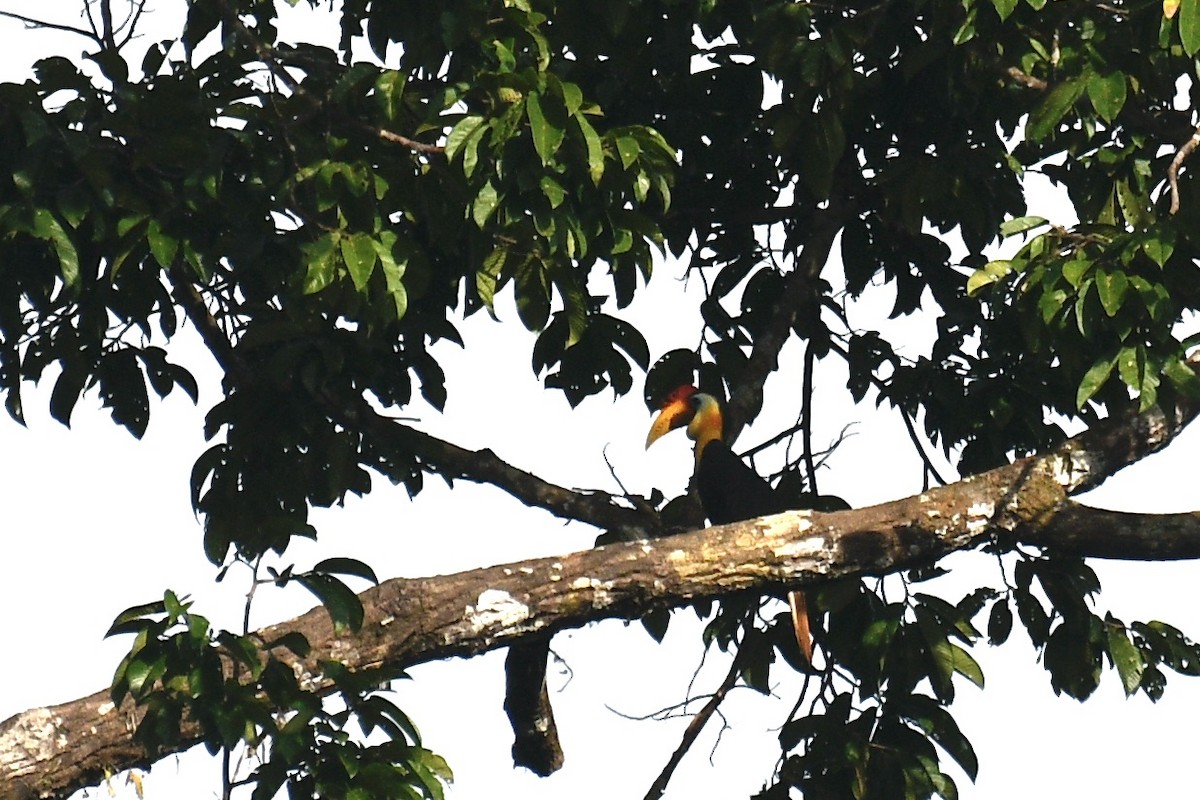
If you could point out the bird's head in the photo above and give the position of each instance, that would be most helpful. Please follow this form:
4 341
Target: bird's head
687 405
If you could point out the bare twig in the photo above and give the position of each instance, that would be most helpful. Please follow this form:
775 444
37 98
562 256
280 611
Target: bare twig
130 23
913 436
411 144
930 469
695 726
33 22
1025 79
1181 155
806 423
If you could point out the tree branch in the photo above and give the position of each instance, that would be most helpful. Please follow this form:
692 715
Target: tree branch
483 466
527 704
695 726
1097 533
1181 155
1094 456
32 22
1025 79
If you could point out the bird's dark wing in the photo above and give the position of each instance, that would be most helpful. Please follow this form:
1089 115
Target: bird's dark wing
729 490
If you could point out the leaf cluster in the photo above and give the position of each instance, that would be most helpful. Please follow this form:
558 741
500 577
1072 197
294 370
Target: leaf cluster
237 691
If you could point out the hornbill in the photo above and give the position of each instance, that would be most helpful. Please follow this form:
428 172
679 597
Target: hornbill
729 490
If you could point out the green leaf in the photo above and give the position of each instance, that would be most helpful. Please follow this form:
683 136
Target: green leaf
1012 227
1189 26
139 613
985 276
1159 248
1112 287
459 133
628 149
343 605
1004 8
595 152
655 622
393 274
358 251
966 665
162 246
824 141
1094 380
1108 94
485 204
1000 622
322 264
1134 205
1075 270
641 186
389 89
572 97
553 191
546 136
67 389
470 149
1182 377
293 641
532 294
1045 118
1050 303
487 278
46 226
966 32
1130 366
941 727
347 566
1125 657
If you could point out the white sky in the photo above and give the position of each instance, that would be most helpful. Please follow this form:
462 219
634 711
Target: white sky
95 521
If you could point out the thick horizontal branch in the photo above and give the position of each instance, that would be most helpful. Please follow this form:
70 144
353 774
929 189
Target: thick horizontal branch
1097 533
49 752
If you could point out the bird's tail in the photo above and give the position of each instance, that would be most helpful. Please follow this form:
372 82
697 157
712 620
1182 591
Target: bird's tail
800 624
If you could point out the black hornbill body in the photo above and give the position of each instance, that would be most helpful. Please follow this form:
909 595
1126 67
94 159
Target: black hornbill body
729 489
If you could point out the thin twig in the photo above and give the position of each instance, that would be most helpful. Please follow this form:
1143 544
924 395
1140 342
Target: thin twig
1173 171
694 727
411 144
912 431
637 501
1025 79
54 26
806 419
130 23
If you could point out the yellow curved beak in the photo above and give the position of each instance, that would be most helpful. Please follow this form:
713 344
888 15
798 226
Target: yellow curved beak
675 414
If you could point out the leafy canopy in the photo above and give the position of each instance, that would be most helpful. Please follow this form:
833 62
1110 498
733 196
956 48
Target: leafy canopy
323 214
